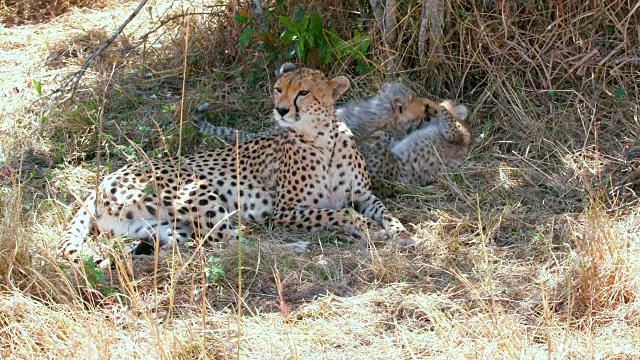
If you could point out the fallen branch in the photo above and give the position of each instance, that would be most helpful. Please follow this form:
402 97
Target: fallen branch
76 76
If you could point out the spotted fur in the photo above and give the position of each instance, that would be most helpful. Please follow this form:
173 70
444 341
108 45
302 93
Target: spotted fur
441 144
304 179
393 110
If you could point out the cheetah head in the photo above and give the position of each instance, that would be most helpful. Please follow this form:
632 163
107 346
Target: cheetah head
303 95
406 106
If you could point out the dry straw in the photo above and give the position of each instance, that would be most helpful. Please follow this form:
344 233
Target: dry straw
530 252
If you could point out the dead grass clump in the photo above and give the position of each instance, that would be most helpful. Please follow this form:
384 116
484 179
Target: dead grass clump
607 264
30 327
17 12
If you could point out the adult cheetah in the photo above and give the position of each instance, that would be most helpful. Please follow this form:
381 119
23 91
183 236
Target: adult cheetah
304 178
393 110
442 143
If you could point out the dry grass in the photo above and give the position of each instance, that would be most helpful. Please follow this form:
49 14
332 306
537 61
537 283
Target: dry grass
530 252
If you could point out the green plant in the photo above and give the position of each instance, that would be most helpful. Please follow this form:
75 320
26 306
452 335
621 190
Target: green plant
356 48
93 274
304 37
618 94
37 86
215 270
306 33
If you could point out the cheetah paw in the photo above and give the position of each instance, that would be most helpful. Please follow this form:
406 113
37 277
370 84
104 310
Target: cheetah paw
405 239
299 246
380 236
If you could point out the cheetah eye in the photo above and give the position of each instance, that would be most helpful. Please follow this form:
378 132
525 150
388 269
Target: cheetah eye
278 90
303 93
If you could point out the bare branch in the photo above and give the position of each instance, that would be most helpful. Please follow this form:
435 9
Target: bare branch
432 17
257 13
422 35
75 77
386 19
378 12
390 22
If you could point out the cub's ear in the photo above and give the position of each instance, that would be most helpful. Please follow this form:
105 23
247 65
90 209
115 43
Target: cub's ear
459 111
339 84
397 104
285 68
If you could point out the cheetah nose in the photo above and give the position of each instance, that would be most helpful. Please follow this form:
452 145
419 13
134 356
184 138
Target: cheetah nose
282 111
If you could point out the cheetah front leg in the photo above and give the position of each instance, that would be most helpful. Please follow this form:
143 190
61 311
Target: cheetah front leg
370 206
314 220
74 242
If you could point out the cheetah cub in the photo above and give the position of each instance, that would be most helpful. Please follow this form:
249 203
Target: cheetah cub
303 179
442 143
393 110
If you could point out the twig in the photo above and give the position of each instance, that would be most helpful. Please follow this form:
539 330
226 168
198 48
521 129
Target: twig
631 60
75 77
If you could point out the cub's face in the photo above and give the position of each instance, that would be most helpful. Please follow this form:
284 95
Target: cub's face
414 110
302 94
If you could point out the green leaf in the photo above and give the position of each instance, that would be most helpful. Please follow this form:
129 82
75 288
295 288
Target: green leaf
241 19
245 36
92 272
361 42
298 15
316 23
287 35
324 51
619 93
215 270
37 85
310 39
304 24
299 46
288 24
611 29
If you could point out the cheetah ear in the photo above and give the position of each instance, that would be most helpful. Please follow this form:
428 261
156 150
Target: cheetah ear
339 84
285 68
398 104
461 111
